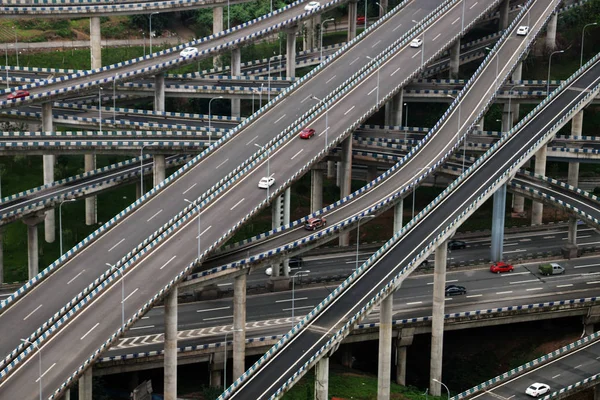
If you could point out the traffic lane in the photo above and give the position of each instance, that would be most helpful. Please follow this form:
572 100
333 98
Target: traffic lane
349 302
120 72
191 184
433 147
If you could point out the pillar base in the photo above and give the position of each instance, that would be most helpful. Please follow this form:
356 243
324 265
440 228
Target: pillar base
278 283
571 251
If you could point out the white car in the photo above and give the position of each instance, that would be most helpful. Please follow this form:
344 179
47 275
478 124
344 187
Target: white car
416 43
266 182
188 51
537 389
523 30
312 5
269 271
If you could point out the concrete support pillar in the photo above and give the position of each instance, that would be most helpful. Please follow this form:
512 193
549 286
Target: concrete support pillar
85 385
287 197
1 255
405 339
290 55
518 202
570 250
32 248
454 59
217 27
384 369
48 162
537 211
159 92
239 326
170 359
308 34
498 224
322 379
384 5
437 323
551 33
398 211
138 190
331 169
67 394
236 70
393 110
216 369
352 13
503 20
159 169
372 173
316 189
339 173
91 217
95 43
346 180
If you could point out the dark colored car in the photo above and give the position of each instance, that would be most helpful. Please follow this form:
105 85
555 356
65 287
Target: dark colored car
315 223
455 290
307 133
17 94
456 244
501 266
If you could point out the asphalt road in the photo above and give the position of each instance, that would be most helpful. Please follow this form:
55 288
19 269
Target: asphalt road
110 248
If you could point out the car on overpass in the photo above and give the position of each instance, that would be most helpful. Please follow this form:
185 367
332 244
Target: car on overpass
188 52
312 6
315 223
537 389
523 30
307 133
18 94
455 290
501 266
416 43
266 182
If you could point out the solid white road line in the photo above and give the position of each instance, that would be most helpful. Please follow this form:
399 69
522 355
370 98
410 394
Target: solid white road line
91 329
165 264
473 295
130 294
330 79
355 60
297 308
75 277
112 248
287 300
38 379
255 137
592 282
416 54
455 21
376 43
397 69
294 156
237 204
507 292
518 282
567 285
214 318
214 309
190 188
141 327
158 212
29 315
220 165
350 109
516 273
279 119
224 284
372 90
448 281
204 231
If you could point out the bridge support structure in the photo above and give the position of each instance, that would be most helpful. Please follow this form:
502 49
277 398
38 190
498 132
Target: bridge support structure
393 110
372 173
32 244
48 162
537 208
384 368
290 55
437 322
352 14
307 43
85 385
280 211
591 319
398 211
159 170
91 214
236 70
322 379
551 33
404 339
346 179
239 326
570 250
518 202
503 11
95 43
159 92
67 394
1 255
216 369
455 59
217 27
316 187
498 223
170 358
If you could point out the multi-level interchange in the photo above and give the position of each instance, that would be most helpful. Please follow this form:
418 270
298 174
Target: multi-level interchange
58 327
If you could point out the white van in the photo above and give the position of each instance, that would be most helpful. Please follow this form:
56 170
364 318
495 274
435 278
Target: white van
551 269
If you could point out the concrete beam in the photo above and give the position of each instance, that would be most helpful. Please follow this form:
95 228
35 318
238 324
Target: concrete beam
384 369
85 385
91 215
239 326
95 43
437 322
170 366
322 379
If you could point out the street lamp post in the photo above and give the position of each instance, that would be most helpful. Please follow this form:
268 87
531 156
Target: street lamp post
122 296
358 236
550 65
382 10
194 204
6 55
366 17
60 224
16 45
268 162
225 357
322 23
142 167
209 102
377 92
582 37
253 91
422 45
405 122
144 42
262 85
39 364
326 118
297 274
114 101
441 383
150 33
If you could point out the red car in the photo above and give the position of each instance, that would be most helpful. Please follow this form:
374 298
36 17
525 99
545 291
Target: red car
307 133
315 223
360 19
17 94
501 266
